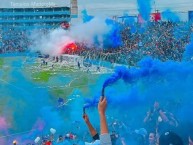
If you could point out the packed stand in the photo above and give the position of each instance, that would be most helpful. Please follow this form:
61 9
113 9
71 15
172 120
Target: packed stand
160 40
16 40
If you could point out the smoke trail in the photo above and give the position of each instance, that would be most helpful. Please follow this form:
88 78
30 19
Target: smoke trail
130 75
144 8
149 73
170 16
91 102
148 68
130 20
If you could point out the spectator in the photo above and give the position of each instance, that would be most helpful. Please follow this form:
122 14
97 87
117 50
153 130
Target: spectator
152 138
159 121
60 139
14 142
114 137
141 135
78 65
154 116
170 138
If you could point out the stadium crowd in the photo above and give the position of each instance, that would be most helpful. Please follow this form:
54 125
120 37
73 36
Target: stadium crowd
159 128
13 41
161 40
17 40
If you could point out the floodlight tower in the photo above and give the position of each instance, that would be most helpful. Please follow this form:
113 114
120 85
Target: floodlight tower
74 8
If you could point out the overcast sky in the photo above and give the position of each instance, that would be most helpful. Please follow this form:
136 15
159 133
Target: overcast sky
105 7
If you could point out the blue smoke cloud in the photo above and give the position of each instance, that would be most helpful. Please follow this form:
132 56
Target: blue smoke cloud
170 16
188 53
146 68
128 20
130 75
113 38
144 8
85 17
26 103
152 80
129 91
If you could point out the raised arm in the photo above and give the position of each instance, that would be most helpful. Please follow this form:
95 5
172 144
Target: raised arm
92 130
105 136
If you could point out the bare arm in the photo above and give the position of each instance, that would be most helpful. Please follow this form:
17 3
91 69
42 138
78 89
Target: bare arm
163 116
123 141
93 132
105 136
161 113
102 108
147 117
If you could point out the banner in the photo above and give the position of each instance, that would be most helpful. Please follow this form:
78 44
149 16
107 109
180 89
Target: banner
190 15
155 17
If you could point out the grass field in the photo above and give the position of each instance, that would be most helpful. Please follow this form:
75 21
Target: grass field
19 78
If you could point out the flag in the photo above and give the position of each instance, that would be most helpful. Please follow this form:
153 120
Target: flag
155 17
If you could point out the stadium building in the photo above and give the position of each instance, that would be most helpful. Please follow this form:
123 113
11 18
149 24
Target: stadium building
16 22
29 18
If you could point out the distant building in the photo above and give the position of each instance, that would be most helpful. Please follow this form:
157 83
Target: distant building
15 23
29 18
